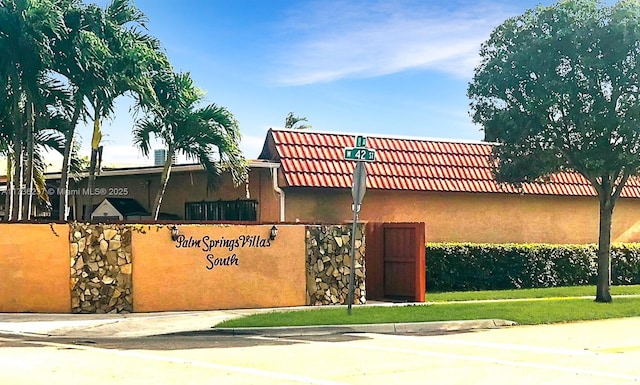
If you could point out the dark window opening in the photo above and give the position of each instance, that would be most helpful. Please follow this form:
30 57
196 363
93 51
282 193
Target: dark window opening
238 210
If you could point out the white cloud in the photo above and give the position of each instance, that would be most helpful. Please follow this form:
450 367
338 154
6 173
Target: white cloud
367 38
251 145
123 155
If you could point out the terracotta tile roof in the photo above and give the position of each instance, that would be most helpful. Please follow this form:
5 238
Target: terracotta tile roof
315 159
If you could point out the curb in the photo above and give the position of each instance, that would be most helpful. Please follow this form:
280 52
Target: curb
390 328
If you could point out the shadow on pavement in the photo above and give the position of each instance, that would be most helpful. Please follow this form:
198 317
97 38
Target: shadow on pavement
171 341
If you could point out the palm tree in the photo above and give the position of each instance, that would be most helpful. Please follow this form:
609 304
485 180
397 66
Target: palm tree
292 121
101 53
49 127
79 59
48 134
28 29
133 58
208 134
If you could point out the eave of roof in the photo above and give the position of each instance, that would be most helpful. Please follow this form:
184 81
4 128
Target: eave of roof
145 170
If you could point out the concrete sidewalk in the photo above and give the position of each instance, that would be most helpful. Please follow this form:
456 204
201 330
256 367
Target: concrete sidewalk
200 322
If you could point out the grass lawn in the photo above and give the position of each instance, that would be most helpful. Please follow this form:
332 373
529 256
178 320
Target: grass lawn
552 309
552 292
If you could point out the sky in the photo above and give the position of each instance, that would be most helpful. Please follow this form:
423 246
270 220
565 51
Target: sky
394 67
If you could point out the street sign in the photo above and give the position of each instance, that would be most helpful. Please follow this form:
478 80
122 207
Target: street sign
361 141
359 186
359 154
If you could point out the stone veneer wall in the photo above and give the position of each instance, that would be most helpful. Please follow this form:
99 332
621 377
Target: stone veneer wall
328 264
100 268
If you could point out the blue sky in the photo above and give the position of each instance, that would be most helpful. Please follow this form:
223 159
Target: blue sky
396 67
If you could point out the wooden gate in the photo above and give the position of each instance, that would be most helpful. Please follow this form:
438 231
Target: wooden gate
395 259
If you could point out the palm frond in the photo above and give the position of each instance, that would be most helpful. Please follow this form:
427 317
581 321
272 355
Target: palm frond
50 139
123 12
78 164
142 135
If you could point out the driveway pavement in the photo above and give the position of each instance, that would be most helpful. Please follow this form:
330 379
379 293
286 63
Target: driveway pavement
585 353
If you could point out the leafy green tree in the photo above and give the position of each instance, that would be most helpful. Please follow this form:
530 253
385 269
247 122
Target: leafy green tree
558 89
295 122
208 134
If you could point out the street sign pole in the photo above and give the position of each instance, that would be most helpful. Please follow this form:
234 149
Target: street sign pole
360 154
357 191
352 271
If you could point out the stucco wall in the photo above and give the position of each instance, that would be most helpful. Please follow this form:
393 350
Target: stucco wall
217 267
119 268
464 217
34 268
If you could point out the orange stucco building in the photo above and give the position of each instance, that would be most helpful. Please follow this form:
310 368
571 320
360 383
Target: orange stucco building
302 176
187 193
448 185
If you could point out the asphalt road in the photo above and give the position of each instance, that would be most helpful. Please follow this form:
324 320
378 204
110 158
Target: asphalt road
599 352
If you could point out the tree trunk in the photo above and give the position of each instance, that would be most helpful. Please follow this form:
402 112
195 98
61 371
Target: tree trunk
88 208
603 292
95 144
8 203
69 136
17 139
164 180
18 178
31 127
18 159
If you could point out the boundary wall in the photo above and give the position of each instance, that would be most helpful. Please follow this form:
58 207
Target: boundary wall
121 268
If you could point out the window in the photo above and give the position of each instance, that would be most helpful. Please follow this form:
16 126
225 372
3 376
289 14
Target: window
238 210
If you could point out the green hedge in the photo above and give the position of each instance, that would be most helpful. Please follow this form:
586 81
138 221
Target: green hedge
466 266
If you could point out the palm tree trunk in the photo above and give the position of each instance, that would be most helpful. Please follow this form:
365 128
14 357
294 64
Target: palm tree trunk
66 162
603 288
8 204
95 143
90 183
164 181
18 178
16 211
29 163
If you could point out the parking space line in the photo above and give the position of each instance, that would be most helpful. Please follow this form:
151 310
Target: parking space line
617 349
460 357
490 345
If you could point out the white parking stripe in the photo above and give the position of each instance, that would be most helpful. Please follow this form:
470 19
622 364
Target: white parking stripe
459 357
202 364
490 345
